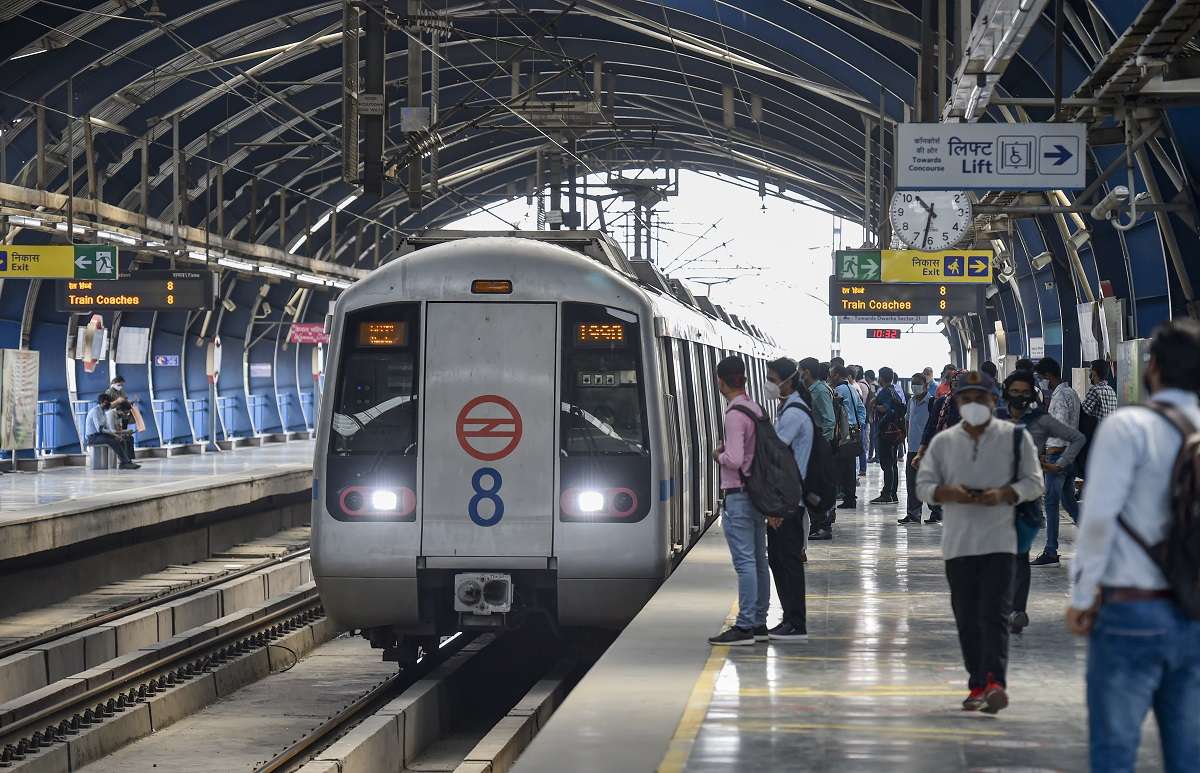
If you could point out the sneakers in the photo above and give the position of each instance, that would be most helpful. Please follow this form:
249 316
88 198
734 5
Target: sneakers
911 520
786 632
1018 621
129 466
933 519
849 504
823 534
760 633
1045 559
994 697
885 499
974 701
733 637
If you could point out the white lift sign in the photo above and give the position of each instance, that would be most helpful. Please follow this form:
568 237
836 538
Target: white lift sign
991 156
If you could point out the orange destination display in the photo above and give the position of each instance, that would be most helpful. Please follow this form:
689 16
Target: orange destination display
591 333
383 334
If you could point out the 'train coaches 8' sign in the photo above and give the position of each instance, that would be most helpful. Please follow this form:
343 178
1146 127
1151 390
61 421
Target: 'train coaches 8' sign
991 156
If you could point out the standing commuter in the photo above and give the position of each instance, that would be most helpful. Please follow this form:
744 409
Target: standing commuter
745 528
1143 650
943 414
1025 411
856 414
787 537
918 415
930 382
1060 481
99 431
968 469
826 421
1101 398
872 435
889 417
864 391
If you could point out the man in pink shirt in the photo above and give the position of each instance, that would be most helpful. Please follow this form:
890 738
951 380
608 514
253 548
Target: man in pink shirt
745 528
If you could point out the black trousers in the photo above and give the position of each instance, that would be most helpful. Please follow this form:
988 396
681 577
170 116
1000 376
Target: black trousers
846 463
910 485
887 452
1021 583
113 442
981 594
785 554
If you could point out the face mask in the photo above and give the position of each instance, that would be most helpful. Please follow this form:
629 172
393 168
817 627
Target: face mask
1020 402
1043 384
118 387
919 390
771 390
975 414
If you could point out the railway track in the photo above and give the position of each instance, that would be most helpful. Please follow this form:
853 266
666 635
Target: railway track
82 715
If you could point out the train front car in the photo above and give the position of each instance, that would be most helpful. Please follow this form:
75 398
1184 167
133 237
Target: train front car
486 446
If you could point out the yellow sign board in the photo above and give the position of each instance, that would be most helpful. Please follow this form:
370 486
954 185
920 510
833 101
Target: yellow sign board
58 261
947 266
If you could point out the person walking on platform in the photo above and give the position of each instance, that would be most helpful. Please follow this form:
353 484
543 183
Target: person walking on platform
787 537
1025 411
826 421
745 528
864 391
99 431
918 415
943 414
1144 640
968 469
1060 476
889 419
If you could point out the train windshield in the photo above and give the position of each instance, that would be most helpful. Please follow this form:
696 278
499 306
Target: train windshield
603 405
375 401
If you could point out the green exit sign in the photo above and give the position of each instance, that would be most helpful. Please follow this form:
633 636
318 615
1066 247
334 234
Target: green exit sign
859 265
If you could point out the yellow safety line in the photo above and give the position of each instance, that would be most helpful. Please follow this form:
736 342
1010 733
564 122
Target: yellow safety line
680 748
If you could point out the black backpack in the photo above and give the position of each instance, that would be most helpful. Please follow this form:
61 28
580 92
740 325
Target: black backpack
1178 556
820 479
774 483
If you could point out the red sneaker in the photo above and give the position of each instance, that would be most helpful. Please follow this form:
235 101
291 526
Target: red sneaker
994 697
974 701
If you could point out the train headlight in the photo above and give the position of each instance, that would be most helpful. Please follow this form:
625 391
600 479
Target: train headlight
590 501
383 500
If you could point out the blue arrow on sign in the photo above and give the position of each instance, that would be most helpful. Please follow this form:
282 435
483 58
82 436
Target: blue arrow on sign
954 265
977 266
1060 155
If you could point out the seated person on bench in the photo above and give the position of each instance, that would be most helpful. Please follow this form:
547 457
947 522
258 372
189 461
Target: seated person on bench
99 430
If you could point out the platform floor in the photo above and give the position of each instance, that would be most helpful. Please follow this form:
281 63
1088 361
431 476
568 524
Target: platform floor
23 494
876 687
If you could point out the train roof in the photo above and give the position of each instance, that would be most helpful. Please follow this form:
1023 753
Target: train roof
684 314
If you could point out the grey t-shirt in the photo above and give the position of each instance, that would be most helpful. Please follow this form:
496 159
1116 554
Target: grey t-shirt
954 458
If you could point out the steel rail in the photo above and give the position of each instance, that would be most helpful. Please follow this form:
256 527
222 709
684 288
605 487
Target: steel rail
117 613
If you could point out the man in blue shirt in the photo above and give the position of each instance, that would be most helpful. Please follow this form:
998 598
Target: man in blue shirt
889 417
786 535
918 416
98 431
856 414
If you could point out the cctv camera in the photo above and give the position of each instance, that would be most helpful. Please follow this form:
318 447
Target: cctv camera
1041 261
229 305
1107 206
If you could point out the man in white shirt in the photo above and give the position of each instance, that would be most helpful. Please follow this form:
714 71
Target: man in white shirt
1143 651
1060 481
969 470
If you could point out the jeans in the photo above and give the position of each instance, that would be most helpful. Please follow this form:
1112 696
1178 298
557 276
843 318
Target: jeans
862 453
1059 486
1143 655
785 554
910 485
112 441
746 533
888 452
981 596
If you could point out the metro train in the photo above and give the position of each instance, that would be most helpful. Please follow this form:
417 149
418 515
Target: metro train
515 426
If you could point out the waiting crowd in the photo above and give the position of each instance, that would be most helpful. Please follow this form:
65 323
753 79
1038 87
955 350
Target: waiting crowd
993 461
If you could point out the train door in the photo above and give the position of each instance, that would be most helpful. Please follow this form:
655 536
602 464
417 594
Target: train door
708 431
490 443
674 444
695 436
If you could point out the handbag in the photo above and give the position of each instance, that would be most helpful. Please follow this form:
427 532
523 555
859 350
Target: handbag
1028 516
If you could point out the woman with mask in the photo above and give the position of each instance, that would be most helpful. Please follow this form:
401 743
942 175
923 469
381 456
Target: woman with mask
1026 411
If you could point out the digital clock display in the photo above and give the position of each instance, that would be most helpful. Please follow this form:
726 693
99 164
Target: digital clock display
141 291
598 333
883 332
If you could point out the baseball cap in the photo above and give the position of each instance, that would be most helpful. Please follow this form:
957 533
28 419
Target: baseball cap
973 380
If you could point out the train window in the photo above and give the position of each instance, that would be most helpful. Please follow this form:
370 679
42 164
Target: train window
602 396
375 397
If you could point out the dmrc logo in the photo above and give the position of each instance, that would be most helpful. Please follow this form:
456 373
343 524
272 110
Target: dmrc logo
3 260
489 428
